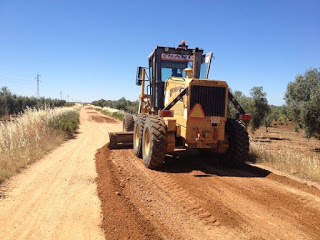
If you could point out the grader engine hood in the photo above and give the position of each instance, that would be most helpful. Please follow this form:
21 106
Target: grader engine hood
201 112
211 95
207 113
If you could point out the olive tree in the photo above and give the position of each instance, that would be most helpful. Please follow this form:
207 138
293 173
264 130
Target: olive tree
260 108
303 101
244 101
257 105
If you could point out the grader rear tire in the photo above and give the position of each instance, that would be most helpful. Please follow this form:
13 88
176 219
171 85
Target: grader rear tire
138 133
238 138
128 122
154 142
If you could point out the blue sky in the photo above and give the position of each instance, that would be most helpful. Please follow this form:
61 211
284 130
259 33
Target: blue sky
90 49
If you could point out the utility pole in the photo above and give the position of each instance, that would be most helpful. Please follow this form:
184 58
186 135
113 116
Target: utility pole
38 85
61 95
68 98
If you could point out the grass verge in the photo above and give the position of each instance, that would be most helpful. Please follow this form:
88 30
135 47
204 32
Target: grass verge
116 115
31 135
296 164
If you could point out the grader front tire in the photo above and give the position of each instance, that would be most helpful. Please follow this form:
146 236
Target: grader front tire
154 142
128 123
138 134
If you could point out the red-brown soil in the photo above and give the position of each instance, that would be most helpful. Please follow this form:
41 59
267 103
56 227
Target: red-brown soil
193 198
101 119
121 218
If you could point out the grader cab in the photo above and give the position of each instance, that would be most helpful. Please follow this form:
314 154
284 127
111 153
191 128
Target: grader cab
180 107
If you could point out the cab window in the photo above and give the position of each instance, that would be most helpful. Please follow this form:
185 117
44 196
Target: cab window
173 69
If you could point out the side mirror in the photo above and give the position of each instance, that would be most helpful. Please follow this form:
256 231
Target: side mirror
139 77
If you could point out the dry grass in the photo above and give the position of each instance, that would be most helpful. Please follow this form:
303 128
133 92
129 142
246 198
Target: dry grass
287 150
301 165
29 137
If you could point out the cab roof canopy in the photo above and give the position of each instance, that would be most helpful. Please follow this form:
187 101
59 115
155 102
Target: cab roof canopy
181 49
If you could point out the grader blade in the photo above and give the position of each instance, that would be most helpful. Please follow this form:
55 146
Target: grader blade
120 140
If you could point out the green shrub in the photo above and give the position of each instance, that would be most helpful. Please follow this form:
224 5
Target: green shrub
69 104
67 123
118 115
121 104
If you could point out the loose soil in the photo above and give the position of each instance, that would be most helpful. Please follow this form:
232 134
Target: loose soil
191 197
117 209
101 119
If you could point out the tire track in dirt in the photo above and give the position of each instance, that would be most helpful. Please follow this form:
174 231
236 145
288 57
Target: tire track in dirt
190 198
192 219
255 203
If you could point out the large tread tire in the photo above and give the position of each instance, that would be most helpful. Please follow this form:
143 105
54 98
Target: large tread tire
238 138
154 142
128 122
138 134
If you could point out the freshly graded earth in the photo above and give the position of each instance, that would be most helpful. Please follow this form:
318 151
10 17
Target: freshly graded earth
192 198
69 195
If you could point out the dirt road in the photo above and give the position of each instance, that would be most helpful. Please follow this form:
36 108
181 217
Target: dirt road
191 197
56 198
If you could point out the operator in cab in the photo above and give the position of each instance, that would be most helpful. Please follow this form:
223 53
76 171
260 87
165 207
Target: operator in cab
175 72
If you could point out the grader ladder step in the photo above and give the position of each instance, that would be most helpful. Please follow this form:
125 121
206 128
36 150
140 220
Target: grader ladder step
120 140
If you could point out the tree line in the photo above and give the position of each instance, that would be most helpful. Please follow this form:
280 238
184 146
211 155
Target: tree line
11 104
302 104
121 104
257 105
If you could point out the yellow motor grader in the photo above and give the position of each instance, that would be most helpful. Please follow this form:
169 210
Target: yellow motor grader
180 107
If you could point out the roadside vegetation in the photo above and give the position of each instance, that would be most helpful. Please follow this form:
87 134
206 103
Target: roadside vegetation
32 134
69 104
121 104
11 104
298 164
293 144
303 102
302 106
115 114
